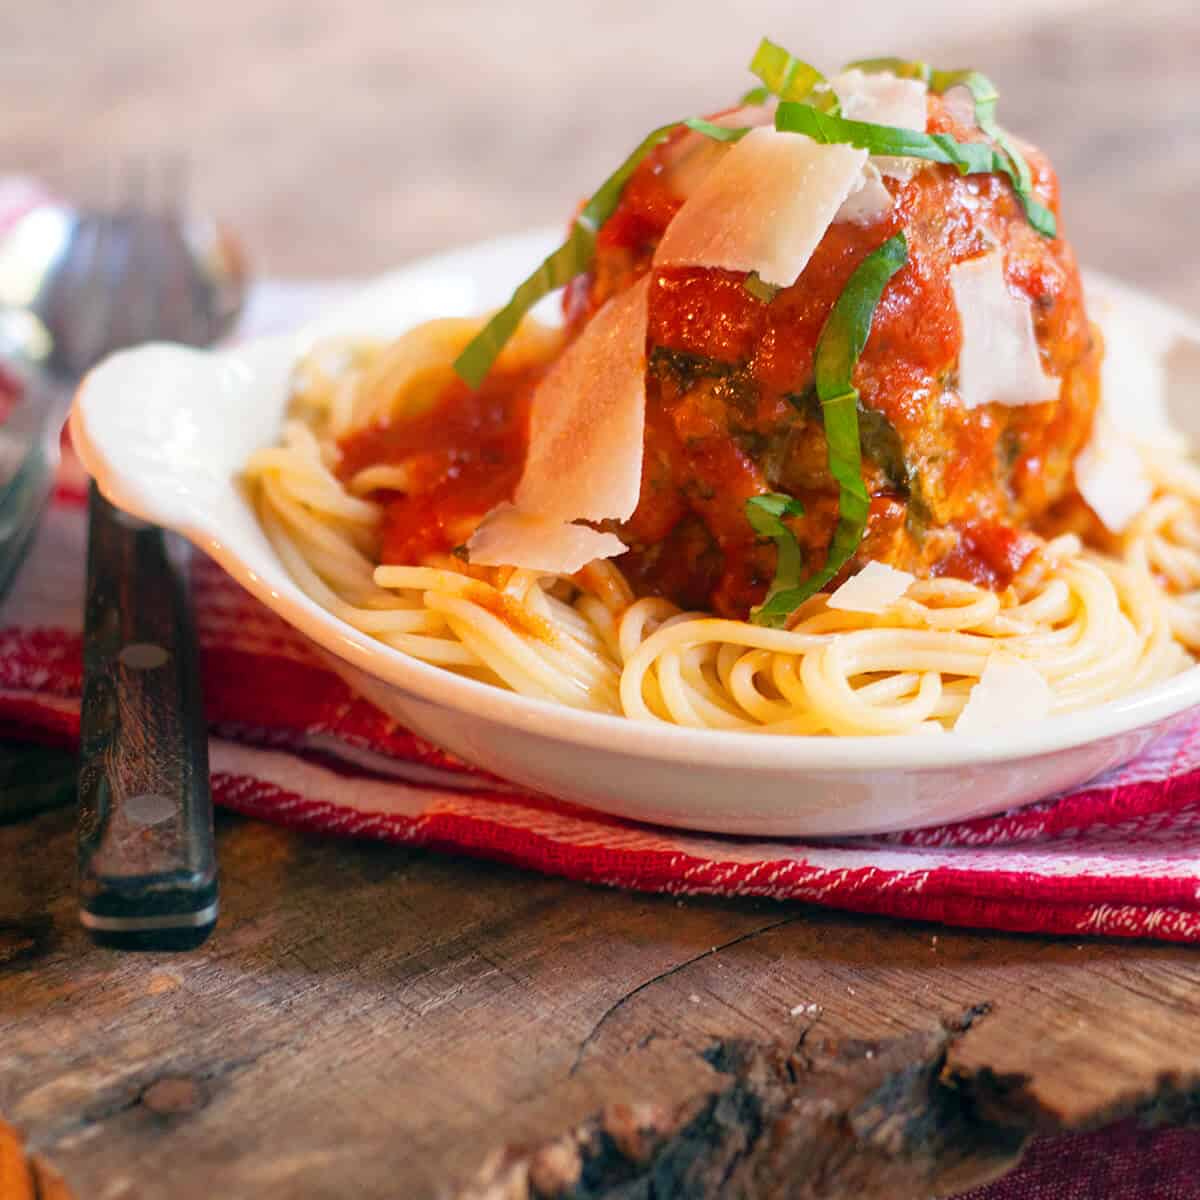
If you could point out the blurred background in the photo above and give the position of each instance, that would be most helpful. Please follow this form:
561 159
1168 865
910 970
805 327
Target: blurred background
341 137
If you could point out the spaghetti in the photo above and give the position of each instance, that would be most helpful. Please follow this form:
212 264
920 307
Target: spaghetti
1094 625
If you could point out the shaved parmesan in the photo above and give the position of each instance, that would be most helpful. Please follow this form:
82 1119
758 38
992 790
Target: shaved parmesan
999 362
960 106
870 201
588 417
763 207
584 461
875 588
1109 471
690 157
694 165
1010 691
1133 374
882 98
508 537
1111 478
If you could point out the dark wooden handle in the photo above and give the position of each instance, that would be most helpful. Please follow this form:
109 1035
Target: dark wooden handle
147 863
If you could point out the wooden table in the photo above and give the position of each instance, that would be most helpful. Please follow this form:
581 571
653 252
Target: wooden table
378 1023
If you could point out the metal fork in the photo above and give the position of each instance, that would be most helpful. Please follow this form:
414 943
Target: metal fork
147 864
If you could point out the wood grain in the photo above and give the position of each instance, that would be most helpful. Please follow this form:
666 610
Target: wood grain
375 1022
379 1022
847 1120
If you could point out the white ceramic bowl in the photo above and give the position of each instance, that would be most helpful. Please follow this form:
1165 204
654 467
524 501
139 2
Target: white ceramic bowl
166 430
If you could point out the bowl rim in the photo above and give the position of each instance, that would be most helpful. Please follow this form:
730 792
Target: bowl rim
561 723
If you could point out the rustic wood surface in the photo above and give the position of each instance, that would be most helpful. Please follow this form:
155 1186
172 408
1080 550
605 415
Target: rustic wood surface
380 1023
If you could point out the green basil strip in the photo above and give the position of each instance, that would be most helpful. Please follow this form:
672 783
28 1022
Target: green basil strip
555 271
573 257
971 158
757 95
983 92
764 514
790 78
718 133
838 350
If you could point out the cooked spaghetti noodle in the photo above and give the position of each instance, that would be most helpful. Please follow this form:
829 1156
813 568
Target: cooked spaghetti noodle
1093 625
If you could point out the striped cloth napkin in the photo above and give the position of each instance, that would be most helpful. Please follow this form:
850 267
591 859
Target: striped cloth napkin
292 744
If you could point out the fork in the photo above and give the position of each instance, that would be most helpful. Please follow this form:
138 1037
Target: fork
147 861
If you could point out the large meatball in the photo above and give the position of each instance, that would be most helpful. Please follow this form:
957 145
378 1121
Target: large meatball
731 408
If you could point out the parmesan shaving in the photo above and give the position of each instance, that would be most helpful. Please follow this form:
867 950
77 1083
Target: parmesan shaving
1109 471
690 158
870 201
587 421
1009 692
960 106
1000 362
882 98
873 590
1110 476
584 463
763 207
508 537
1133 374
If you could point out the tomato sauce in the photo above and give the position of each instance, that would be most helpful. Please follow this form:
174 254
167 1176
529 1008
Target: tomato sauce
731 411
505 608
463 456
987 553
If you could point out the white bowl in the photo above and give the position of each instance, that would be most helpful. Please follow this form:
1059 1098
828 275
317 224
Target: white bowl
165 432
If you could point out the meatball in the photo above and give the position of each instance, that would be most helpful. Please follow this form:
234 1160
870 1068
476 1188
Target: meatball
732 411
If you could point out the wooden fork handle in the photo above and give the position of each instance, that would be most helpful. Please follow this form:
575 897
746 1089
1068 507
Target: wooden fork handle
147 863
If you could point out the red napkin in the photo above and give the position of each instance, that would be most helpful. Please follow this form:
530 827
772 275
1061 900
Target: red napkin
1122 1162
293 744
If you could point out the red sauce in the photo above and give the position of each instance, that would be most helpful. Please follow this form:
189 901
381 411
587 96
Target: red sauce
988 554
463 455
646 208
506 609
710 444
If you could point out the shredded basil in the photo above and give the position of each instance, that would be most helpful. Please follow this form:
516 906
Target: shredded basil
718 133
838 349
971 158
765 514
555 271
809 106
791 78
573 257
983 92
